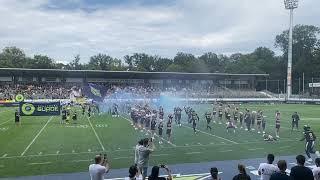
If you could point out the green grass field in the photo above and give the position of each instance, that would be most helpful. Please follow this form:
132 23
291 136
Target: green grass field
41 145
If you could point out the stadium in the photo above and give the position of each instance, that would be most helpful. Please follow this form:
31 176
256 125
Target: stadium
248 115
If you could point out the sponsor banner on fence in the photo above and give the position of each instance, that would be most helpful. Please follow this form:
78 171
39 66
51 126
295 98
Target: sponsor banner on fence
40 109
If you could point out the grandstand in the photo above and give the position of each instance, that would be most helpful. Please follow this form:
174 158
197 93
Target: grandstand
52 84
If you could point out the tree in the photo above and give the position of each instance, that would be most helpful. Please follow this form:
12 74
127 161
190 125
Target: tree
12 57
41 62
143 62
161 64
129 60
101 62
305 43
75 63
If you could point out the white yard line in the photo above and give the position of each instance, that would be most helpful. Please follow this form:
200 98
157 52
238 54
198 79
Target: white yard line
193 153
254 149
40 163
155 134
212 135
5 155
26 149
96 134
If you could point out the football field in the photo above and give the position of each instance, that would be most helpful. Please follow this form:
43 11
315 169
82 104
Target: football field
41 145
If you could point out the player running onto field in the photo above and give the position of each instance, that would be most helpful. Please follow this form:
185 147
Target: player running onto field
220 113
236 115
169 127
153 125
214 112
208 118
160 130
194 119
310 138
178 113
241 119
277 123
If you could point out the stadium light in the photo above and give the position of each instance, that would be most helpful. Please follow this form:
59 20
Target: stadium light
290 4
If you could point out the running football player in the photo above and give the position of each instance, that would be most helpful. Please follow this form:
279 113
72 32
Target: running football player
178 111
214 112
236 115
160 130
310 138
169 127
208 118
277 123
220 113
194 119
153 125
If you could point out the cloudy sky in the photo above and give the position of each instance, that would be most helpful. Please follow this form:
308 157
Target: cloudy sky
64 28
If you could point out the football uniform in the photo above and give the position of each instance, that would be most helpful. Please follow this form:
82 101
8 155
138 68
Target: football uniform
16 117
278 121
153 124
295 121
160 129
310 138
235 116
169 126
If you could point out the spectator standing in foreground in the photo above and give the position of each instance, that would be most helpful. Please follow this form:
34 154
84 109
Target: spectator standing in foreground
281 175
242 173
300 172
143 156
265 170
316 170
214 174
99 169
155 173
136 151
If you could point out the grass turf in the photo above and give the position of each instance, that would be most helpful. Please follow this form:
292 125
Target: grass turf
41 145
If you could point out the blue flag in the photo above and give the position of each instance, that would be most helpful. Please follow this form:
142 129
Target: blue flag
95 92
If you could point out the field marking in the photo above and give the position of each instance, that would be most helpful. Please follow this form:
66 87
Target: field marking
193 153
228 150
40 163
161 155
128 157
57 152
5 155
212 135
155 134
26 149
5 122
255 149
96 134
83 160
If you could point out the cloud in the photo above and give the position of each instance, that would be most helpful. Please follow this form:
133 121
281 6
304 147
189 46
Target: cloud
62 30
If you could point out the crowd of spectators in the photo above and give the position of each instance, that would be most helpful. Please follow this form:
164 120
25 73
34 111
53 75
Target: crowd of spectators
267 171
63 90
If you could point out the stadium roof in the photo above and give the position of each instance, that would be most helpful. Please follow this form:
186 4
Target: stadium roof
120 74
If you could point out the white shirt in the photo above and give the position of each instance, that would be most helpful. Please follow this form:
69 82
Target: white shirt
267 170
97 171
316 173
136 153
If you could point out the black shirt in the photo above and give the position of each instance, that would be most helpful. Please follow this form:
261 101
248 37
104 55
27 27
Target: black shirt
301 172
241 177
279 176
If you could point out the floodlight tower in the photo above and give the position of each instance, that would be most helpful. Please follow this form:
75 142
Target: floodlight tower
290 4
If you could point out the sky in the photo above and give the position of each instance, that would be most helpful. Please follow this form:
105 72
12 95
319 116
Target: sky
62 29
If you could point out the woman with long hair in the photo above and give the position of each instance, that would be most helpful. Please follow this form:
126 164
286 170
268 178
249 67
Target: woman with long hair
242 173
